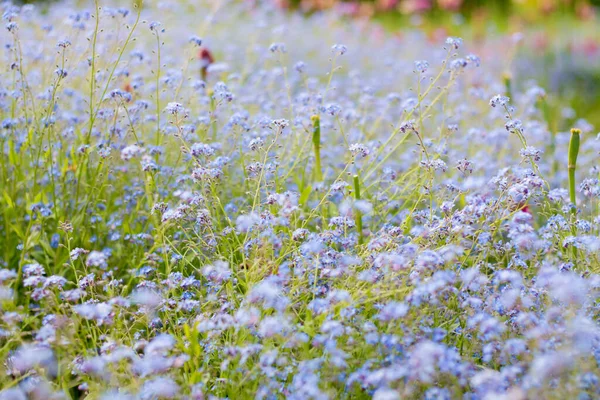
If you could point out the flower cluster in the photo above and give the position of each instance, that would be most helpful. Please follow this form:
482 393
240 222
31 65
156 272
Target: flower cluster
249 215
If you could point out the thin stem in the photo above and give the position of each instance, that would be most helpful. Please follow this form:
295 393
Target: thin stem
357 213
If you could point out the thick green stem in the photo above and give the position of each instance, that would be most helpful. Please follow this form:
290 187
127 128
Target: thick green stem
357 213
573 153
316 138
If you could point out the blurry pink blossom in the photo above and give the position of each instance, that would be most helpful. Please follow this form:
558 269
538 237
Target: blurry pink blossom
415 6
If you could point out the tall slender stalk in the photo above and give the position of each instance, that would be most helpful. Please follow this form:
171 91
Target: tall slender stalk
573 152
158 61
316 139
213 115
357 213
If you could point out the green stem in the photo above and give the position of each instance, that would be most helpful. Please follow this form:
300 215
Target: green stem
158 90
213 114
316 138
573 153
357 213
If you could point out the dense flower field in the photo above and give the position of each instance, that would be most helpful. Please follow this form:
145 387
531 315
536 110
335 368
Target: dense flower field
239 203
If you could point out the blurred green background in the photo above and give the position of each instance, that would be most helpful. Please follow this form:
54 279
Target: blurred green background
531 8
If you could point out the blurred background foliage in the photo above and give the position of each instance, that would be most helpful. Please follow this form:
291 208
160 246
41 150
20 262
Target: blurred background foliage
528 8
559 40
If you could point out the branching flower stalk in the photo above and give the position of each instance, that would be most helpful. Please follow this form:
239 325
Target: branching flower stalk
382 160
94 111
518 131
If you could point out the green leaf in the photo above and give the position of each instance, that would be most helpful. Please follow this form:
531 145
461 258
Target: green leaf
8 200
305 194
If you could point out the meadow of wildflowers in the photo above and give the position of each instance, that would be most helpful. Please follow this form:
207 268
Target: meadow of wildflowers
237 202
